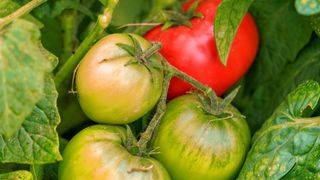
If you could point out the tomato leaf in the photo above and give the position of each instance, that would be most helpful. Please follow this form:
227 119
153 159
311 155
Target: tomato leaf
280 44
36 142
17 175
288 144
48 171
269 95
307 7
227 21
23 66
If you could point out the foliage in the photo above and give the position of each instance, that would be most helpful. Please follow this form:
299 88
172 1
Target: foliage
286 146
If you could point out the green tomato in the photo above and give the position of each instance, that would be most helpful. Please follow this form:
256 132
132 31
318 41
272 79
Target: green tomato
110 90
98 152
196 145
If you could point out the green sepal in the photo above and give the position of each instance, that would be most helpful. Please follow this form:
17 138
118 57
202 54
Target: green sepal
131 142
229 98
131 62
191 11
129 49
167 25
137 48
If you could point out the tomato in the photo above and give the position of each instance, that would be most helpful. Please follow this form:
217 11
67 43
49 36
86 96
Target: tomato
193 50
98 152
110 90
196 145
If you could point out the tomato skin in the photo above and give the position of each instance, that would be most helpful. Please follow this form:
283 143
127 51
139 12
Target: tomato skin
97 152
196 145
193 50
112 92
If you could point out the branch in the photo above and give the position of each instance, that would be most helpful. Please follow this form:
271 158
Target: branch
20 12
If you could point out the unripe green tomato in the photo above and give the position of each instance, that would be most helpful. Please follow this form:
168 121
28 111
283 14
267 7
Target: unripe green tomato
111 91
98 153
198 145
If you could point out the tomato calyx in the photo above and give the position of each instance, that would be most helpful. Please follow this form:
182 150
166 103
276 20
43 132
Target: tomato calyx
211 105
179 17
141 57
131 142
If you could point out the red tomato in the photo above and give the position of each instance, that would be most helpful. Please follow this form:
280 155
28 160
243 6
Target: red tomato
193 50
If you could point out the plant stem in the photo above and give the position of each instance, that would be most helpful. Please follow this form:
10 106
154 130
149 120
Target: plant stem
205 89
102 23
146 136
68 21
20 12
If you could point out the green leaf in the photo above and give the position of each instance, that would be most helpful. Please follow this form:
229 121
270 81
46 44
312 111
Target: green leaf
128 48
17 175
269 95
36 142
23 66
283 34
227 21
48 171
288 144
307 7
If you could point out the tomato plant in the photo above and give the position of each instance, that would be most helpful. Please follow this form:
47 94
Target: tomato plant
193 50
100 152
112 87
196 145
122 77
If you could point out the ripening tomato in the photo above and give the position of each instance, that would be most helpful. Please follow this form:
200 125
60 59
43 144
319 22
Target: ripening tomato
196 145
112 91
193 50
99 153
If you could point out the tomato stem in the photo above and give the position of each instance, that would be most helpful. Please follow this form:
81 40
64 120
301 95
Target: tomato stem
102 23
70 20
195 83
146 136
20 12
